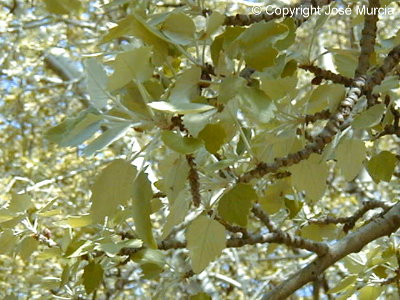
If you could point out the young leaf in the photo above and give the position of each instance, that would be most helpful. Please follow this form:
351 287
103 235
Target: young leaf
92 276
314 183
113 187
96 83
141 207
184 145
205 240
350 155
235 204
381 166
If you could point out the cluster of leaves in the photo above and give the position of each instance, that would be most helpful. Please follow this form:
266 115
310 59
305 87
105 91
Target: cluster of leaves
196 105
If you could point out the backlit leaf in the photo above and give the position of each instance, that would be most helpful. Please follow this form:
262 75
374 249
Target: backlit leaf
142 194
96 83
314 184
213 136
61 7
177 213
180 108
344 283
350 155
234 206
184 145
179 28
206 239
273 199
381 166
112 187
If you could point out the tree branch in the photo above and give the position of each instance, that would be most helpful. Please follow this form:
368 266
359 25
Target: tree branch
380 226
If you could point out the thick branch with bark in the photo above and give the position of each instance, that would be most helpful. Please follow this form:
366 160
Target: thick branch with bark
380 226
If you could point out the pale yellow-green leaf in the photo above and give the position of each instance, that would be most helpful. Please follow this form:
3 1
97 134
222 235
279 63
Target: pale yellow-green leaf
151 261
112 249
214 21
49 254
257 43
381 166
370 292
131 65
77 221
273 199
256 104
26 247
8 241
142 194
184 145
134 25
310 175
344 283
327 95
79 248
194 123
177 213
92 276
214 137
234 206
180 108
206 239
350 155
19 203
179 28
200 296
112 187
279 88
370 117
186 87
96 83
229 88
345 60
319 232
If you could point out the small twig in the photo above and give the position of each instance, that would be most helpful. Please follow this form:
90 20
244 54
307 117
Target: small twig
194 183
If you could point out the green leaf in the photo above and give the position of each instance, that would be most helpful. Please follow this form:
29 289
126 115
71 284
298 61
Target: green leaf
135 26
179 28
77 221
151 261
112 249
350 155
370 117
230 87
273 199
206 239
186 87
180 108
200 296
8 241
131 65
214 21
257 43
74 131
174 172
345 61
319 232
61 7
184 145
314 183
20 203
279 88
326 95
194 123
214 137
343 284
370 292
256 104
116 131
26 247
92 276
113 187
381 166
142 194
235 204
96 83
177 213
